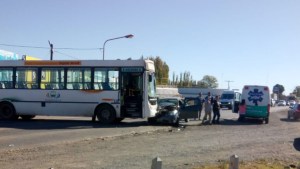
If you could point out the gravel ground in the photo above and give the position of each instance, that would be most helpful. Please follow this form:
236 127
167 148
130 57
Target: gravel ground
179 148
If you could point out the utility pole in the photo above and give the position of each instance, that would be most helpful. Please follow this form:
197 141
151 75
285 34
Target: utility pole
228 81
51 50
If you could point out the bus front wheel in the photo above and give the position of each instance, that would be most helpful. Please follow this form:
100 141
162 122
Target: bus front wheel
7 112
106 114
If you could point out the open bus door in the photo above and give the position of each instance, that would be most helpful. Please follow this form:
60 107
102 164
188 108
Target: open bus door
131 93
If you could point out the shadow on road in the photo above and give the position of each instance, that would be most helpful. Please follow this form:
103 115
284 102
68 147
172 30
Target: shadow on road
239 123
229 122
41 124
297 144
287 120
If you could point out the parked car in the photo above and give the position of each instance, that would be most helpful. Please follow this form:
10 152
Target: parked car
281 103
294 112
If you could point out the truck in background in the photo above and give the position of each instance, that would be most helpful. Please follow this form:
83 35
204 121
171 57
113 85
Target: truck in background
229 99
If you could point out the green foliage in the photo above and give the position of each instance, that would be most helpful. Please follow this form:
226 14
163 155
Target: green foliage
208 82
161 69
279 87
185 79
297 91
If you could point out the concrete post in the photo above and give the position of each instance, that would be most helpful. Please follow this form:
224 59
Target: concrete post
234 162
156 163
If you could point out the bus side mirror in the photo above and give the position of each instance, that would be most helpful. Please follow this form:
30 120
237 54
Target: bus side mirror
150 78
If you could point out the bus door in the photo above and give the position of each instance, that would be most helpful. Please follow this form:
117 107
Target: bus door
131 83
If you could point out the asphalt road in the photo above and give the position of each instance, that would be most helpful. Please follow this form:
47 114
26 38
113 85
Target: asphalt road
64 142
45 130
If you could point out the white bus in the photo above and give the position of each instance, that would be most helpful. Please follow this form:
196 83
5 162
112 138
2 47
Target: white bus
108 90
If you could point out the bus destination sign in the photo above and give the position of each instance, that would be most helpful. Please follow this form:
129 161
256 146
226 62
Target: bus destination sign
132 69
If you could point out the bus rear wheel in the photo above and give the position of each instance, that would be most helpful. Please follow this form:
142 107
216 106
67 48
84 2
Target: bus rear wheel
7 112
106 114
27 117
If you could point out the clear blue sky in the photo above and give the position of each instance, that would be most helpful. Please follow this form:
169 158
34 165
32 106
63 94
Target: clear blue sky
245 41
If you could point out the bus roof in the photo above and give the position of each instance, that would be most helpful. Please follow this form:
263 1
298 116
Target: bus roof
147 64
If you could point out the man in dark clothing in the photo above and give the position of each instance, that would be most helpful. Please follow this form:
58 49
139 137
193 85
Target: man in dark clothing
200 101
216 110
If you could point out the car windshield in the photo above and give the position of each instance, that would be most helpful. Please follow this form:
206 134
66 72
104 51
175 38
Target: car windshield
227 96
168 102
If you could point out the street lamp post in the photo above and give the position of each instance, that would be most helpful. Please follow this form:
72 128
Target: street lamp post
126 36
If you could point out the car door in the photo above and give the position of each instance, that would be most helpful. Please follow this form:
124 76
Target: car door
189 109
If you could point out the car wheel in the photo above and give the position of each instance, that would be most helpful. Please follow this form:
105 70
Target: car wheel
289 116
267 120
151 120
176 123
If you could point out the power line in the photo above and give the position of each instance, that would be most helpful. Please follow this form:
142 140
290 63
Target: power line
65 54
39 47
22 46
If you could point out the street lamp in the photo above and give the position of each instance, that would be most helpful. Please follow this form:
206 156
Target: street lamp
126 36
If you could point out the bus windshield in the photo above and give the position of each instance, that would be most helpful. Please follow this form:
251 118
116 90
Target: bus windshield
151 86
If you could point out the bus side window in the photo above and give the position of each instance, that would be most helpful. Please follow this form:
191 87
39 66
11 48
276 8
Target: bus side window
76 86
87 86
48 86
106 86
34 86
2 86
21 85
8 85
61 86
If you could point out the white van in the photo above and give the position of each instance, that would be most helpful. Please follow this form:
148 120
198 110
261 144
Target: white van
257 101
229 98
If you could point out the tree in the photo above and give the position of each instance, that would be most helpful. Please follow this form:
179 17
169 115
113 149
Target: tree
297 91
161 69
208 82
279 89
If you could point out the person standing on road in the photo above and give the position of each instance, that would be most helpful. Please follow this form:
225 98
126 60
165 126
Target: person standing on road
242 110
207 108
200 101
216 110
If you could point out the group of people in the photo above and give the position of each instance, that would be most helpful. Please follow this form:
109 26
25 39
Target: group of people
211 104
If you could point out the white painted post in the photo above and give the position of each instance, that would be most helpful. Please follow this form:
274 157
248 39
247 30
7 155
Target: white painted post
156 163
234 162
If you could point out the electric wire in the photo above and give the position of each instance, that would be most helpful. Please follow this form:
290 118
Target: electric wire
65 54
39 47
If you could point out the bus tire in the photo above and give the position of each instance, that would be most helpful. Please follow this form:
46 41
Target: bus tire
7 111
27 117
106 114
